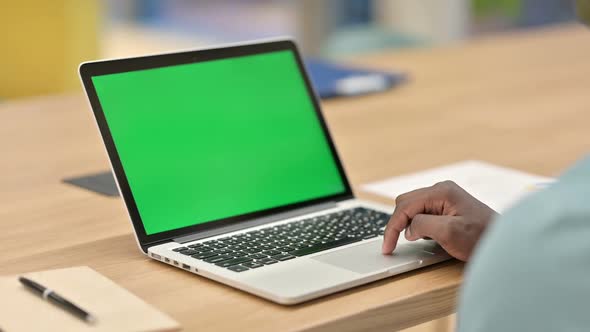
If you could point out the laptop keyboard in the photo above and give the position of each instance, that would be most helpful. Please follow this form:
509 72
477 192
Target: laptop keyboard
272 245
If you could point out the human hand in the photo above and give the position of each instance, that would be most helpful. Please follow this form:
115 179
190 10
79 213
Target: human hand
445 213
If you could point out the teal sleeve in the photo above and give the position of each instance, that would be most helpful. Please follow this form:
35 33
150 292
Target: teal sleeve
531 271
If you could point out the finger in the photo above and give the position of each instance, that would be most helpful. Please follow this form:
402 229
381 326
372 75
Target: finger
431 226
391 235
407 206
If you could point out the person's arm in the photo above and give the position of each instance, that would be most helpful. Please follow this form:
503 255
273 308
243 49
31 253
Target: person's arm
531 271
445 213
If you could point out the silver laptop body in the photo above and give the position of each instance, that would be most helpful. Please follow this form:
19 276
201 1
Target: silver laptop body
289 253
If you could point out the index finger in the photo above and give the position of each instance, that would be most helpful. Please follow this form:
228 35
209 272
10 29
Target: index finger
407 206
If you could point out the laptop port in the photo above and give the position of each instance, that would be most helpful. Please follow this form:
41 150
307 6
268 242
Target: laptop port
186 267
166 260
156 256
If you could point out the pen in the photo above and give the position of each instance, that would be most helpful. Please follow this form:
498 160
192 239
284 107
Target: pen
53 297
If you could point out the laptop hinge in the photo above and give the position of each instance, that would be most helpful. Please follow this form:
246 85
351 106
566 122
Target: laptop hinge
254 222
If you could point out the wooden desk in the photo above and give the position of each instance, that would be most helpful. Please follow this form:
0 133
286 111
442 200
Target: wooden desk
519 100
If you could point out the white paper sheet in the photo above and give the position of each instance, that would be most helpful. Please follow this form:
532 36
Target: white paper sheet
498 187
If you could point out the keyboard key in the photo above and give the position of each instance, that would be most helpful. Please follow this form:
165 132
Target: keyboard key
252 250
189 252
267 261
203 255
258 256
285 249
250 241
239 254
253 265
271 252
179 249
218 258
238 268
324 246
283 257
222 251
370 235
234 261
197 245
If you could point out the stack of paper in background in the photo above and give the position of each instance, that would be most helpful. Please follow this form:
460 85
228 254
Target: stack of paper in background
498 187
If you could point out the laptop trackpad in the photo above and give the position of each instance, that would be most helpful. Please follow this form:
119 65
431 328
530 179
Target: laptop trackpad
367 258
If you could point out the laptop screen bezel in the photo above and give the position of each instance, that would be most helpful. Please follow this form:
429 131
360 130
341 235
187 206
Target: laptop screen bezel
90 69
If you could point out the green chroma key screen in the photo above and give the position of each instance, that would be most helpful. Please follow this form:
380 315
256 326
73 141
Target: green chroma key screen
210 140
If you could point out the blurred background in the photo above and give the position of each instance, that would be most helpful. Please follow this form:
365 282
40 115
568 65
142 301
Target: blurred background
44 41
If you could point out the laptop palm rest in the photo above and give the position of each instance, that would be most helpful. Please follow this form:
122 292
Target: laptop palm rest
367 258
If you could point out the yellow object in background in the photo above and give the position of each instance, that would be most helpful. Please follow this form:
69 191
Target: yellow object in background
583 11
43 42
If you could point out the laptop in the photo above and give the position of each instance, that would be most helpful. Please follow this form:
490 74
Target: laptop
228 171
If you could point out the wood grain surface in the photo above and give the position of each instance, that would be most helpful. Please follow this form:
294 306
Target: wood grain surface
519 100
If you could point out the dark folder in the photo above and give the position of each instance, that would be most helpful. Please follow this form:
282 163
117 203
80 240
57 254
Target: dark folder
334 80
